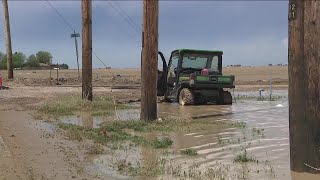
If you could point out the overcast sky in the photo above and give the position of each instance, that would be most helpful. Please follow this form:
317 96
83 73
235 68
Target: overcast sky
249 32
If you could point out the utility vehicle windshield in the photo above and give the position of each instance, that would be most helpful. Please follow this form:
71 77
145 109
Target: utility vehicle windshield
200 61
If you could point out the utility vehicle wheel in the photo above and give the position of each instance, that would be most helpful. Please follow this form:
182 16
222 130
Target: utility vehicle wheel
186 97
225 98
164 99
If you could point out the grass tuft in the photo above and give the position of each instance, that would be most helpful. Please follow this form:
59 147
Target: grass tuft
189 152
244 158
162 143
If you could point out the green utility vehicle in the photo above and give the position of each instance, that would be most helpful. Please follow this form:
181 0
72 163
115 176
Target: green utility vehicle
194 77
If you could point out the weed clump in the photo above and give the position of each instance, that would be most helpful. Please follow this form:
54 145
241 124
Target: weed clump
113 132
244 158
162 143
189 152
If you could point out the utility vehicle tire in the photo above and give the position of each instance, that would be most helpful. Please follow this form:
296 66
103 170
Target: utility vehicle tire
186 97
164 99
225 98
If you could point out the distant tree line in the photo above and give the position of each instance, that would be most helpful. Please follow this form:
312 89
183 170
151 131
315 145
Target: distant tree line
20 60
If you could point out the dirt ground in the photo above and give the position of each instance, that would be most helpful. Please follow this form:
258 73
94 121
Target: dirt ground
28 151
31 87
131 77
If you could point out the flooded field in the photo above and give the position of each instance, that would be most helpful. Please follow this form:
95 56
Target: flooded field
259 149
265 138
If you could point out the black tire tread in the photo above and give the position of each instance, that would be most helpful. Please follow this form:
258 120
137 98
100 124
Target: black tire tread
186 96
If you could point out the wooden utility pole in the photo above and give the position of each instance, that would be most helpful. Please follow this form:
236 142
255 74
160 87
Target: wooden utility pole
75 35
304 86
8 38
87 49
149 63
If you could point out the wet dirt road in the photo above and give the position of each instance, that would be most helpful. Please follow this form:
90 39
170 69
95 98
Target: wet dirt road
32 149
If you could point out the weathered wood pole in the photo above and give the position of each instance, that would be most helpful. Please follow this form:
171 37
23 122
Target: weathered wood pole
87 49
8 38
304 86
149 62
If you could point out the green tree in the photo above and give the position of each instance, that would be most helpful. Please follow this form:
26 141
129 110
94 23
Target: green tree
18 59
44 57
32 61
64 66
1 55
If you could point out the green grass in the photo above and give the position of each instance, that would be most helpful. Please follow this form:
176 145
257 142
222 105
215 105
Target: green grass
189 152
170 125
74 105
162 143
118 131
111 134
244 158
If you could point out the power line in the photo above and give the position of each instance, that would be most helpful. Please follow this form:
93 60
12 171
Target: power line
61 16
64 19
132 37
99 58
123 17
128 16
130 19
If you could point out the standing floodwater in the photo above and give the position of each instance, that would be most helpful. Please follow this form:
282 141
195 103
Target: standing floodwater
256 146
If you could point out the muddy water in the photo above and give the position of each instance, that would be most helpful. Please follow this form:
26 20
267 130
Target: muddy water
266 137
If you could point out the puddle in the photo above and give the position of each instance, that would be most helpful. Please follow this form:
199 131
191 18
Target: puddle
85 121
265 138
89 121
129 114
108 164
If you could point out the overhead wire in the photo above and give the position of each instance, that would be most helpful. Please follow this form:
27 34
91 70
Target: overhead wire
135 24
139 43
133 21
139 27
73 29
123 17
64 19
128 20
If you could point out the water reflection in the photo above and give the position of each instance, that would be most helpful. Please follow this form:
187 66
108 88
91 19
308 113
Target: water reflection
85 120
